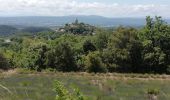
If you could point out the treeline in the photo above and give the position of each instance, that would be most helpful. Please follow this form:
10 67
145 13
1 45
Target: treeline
125 50
6 30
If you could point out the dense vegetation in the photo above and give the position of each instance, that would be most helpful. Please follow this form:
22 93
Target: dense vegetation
7 30
126 49
35 30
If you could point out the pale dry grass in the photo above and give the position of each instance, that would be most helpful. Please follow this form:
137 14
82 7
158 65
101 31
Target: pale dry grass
98 76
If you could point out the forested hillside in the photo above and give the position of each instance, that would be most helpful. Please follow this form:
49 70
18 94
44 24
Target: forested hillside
82 47
7 30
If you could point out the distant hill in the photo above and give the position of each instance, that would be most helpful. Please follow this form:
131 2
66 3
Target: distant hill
7 30
60 21
35 29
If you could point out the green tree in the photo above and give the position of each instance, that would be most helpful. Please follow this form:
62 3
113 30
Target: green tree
42 57
102 39
125 50
88 46
155 37
4 64
65 57
94 63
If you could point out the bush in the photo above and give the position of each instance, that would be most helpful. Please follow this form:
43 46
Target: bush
88 46
168 69
153 91
64 94
94 63
152 94
65 57
112 67
4 64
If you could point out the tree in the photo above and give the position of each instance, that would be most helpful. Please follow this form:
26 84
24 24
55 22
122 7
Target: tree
125 49
102 39
135 52
4 64
155 37
64 57
94 63
34 57
88 46
41 59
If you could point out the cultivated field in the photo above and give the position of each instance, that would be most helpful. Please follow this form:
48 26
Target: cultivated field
27 85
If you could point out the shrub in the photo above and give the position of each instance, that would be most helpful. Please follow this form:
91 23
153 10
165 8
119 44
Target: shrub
64 94
152 94
94 63
168 69
88 46
153 91
4 64
65 57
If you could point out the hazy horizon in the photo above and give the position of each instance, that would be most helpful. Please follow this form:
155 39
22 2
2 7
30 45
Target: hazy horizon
142 17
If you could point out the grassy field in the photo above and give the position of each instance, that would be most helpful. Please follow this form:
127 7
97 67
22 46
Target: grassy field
39 86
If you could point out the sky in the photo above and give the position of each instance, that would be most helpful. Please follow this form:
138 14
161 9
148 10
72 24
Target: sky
107 8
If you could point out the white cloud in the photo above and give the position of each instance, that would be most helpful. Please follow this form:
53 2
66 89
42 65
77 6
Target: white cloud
73 7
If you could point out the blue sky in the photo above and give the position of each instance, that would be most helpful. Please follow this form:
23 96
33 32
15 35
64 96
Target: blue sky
107 8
